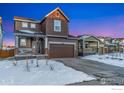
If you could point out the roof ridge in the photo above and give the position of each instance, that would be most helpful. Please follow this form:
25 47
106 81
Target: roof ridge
25 18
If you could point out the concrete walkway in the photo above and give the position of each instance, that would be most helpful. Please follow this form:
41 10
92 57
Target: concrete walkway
105 74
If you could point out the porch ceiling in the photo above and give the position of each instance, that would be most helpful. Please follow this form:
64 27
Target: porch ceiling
30 35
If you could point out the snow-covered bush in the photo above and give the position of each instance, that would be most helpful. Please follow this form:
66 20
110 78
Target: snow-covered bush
51 67
14 63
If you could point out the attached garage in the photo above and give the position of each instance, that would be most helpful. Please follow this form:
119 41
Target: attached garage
61 50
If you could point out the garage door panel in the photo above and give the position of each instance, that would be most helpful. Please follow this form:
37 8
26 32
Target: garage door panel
61 51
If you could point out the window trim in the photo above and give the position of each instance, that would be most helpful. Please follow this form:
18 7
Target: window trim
23 45
25 24
60 24
34 25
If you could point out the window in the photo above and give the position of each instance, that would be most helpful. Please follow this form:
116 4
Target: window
22 42
57 25
24 24
86 45
33 25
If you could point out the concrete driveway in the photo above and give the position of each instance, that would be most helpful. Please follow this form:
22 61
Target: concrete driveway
105 74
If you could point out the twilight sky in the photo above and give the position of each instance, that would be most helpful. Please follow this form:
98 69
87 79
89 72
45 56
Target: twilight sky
95 19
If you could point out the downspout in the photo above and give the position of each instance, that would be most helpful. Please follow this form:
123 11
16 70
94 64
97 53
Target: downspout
1 35
98 47
83 47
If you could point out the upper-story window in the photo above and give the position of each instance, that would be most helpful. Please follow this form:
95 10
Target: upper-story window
24 24
57 25
33 25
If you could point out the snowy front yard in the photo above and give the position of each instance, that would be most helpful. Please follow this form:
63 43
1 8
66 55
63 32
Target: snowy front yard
54 73
116 59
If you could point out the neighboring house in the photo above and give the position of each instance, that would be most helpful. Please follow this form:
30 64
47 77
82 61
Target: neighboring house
109 44
105 40
120 44
49 36
88 44
1 34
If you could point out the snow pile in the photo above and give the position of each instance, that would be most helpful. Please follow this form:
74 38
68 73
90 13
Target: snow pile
116 59
53 73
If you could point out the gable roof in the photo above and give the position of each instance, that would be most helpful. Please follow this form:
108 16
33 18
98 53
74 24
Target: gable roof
25 19
54 11
88 36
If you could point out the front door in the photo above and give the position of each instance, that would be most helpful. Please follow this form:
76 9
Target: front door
34 47
40 46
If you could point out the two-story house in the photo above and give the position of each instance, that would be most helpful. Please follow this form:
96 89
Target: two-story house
1 34
113 44
48 36
119 43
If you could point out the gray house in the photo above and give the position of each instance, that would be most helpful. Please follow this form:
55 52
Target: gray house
1 33
88 45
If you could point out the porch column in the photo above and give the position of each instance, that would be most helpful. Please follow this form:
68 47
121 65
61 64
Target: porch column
36 50
16 44
46 45
83 49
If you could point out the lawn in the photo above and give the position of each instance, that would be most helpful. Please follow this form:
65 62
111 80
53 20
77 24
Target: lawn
116 59
52 73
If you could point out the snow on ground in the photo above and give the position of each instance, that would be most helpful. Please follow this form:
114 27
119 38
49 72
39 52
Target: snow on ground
116 59
42 75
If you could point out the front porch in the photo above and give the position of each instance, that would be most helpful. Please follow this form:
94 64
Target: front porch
30 44
88 47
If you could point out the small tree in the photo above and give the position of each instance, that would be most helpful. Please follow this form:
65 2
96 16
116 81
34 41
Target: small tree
46 57
14 61
51 67
37 64
27 65
32 61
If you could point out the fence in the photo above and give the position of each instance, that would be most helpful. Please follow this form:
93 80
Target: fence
6 53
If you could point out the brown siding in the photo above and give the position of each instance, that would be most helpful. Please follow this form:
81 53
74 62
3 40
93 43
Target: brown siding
50 24
28 42
43 26
18 26
0 21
